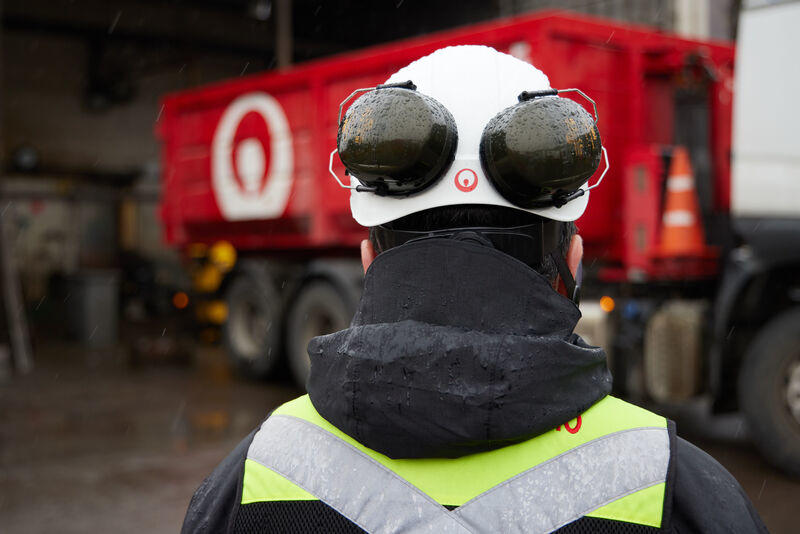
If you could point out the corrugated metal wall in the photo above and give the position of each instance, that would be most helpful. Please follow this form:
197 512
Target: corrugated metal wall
696 18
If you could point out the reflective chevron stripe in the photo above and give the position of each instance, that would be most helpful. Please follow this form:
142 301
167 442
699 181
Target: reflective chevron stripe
559 491
540 499
352 483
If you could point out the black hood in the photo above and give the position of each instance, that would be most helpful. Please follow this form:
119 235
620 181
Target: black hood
455 348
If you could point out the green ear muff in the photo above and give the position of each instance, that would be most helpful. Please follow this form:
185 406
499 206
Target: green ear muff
540 151
397 141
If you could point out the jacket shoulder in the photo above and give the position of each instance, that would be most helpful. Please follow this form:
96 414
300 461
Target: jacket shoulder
706 497
214 504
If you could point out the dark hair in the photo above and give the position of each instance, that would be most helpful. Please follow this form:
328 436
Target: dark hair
460 216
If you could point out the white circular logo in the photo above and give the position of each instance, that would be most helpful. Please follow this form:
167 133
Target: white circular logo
252 177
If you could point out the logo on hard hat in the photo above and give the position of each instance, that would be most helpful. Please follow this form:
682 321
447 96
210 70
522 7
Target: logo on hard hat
466 180
252 159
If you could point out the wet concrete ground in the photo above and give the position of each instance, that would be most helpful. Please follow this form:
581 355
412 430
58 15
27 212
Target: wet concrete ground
89 444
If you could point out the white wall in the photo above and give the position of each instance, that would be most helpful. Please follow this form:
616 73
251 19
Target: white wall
766 146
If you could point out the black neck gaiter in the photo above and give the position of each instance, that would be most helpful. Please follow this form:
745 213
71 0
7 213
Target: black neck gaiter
455 348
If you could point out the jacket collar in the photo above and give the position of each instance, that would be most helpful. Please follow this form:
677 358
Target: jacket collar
455 348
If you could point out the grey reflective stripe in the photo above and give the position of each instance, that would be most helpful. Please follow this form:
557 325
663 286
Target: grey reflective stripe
541 499
567 487
355 485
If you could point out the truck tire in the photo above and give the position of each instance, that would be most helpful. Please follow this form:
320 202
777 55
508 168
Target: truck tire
251 333
769 391
319 308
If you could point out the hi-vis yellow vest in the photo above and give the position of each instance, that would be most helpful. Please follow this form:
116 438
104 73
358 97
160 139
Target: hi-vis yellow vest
611 463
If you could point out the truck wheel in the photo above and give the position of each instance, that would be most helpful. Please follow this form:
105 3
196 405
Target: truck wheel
769 391
251 334
320 308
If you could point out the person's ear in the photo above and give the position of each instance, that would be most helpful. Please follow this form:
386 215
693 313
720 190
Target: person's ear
368 254
574 254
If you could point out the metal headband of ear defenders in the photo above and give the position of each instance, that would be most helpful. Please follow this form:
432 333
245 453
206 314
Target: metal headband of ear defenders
529 243
537 153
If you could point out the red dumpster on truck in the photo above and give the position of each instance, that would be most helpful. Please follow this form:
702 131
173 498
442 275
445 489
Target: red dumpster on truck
248 196
246 162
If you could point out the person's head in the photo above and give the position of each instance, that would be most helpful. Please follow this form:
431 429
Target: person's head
471 137
570 245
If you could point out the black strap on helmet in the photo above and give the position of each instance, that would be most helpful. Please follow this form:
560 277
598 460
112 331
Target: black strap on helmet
572 285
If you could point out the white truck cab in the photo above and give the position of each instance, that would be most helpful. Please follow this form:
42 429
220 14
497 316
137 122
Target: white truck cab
757 310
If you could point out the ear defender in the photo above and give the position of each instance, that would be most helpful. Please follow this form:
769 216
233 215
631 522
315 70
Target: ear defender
396 141
540 151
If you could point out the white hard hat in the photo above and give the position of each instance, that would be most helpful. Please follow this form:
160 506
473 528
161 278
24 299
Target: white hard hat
474 83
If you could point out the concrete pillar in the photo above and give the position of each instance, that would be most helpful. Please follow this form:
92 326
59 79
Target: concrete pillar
283 33
692 18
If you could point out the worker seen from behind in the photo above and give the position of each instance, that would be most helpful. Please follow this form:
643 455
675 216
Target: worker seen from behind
460 399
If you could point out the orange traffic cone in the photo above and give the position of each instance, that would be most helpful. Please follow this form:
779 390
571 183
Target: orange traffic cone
681 226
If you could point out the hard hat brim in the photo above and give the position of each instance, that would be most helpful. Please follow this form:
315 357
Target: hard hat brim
372 210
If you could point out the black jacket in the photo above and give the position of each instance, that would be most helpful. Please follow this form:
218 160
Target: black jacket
457 348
